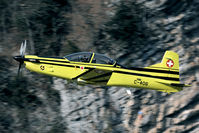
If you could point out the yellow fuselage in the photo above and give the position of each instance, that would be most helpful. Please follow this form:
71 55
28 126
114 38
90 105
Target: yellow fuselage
104 74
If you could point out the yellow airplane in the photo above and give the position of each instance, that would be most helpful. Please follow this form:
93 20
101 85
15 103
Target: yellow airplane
93 68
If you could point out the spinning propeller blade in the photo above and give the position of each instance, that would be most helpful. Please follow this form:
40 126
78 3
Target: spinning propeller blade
19 70
23 48
21 58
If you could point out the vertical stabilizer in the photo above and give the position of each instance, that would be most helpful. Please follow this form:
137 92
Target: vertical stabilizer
169 61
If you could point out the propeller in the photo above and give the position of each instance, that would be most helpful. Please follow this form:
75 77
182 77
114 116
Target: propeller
20 58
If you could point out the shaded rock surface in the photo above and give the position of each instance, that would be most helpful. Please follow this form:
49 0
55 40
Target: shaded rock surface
53 105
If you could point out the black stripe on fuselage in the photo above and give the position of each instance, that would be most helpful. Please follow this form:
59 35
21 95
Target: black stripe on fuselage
98 81
52 60
77 63
60 64
132 68
136 69
146 75
99 76
154 70
83 73
164 68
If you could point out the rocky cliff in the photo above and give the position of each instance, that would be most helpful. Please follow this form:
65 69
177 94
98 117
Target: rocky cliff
38 103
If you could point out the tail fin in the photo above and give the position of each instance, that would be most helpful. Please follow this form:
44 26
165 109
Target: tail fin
170 65
170 61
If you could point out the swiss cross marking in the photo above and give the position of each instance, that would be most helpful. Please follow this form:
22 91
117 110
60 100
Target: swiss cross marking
170 63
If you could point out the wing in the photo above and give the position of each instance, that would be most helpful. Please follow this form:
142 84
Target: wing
94 76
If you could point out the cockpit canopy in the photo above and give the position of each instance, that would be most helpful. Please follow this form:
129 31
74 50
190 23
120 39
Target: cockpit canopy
79 57
87 57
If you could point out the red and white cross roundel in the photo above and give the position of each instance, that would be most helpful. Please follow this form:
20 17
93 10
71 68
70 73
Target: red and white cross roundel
170 63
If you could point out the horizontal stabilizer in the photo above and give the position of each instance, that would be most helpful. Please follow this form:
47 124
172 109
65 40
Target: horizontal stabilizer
180 85
176 84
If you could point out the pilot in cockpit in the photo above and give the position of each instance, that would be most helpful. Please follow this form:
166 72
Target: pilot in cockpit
83 58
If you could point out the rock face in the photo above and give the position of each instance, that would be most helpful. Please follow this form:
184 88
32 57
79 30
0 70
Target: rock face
53 105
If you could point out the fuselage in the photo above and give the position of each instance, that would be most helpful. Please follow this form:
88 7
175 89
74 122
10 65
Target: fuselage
104 74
